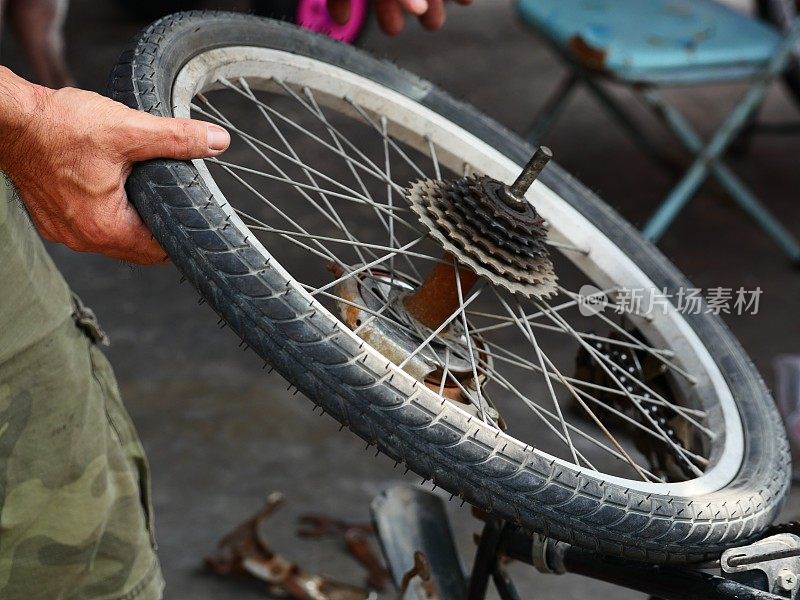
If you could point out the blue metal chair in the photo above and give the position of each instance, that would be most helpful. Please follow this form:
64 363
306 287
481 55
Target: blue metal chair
652 44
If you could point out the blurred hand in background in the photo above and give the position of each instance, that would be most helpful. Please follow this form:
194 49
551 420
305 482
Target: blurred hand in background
391 13
39 27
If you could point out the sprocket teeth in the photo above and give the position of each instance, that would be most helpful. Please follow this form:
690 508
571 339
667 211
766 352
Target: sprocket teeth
486 238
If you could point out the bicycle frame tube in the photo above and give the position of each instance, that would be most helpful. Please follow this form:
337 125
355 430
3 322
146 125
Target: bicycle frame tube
668 582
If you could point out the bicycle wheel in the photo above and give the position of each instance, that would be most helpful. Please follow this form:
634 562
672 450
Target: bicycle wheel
646 434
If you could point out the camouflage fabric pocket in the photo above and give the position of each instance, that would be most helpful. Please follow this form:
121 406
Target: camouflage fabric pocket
75 518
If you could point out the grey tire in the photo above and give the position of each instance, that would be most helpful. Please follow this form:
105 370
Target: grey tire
333 370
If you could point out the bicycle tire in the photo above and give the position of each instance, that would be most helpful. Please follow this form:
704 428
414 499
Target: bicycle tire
351 385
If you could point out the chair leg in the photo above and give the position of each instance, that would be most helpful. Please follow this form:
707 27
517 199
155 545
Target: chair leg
547 116
732 184
708 156
741 145
625 121
675 201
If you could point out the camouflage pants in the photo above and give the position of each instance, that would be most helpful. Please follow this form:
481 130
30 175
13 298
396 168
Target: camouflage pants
75 517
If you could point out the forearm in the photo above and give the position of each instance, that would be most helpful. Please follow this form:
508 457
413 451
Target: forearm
20 104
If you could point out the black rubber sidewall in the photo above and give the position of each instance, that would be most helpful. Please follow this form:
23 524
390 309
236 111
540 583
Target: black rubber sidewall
165 191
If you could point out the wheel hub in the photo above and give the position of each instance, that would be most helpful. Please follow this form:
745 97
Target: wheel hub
489 228
398 334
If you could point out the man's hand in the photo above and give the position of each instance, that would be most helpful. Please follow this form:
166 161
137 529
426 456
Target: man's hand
69 153
391 13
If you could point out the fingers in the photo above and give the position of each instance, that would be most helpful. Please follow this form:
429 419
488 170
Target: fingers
415 7
131 240
339 11
433 18
391 13
160 137
118 233
115 229
112 228
390 16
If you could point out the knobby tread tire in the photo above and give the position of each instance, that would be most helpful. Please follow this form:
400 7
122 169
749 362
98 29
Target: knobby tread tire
354 386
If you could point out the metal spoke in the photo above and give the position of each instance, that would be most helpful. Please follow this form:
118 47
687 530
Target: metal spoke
537 409
267 229
369 265
392 143
290 235
509 357
541 412
528 333
605 362
469 340
597 338
335 135
446 370
586 336
571 331
373 171
570 382
432 150
390 197
688 376
599 359
332 215
292 182
351 193
295 184
580 401
495 376
331 132
569 247
508 321
524 326
326 252
441 327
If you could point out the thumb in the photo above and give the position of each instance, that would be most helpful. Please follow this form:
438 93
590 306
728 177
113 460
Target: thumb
183 139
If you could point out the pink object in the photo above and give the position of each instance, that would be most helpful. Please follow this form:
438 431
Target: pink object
314 15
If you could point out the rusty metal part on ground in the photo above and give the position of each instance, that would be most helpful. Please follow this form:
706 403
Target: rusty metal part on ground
245 552
358 540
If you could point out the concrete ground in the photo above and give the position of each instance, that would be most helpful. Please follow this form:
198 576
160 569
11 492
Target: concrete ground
221 433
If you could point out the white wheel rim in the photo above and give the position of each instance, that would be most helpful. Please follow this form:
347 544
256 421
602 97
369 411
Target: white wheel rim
606 265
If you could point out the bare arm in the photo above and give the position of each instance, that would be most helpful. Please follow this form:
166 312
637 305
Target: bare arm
69 152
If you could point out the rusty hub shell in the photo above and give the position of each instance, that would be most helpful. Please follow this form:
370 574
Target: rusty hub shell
398 333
